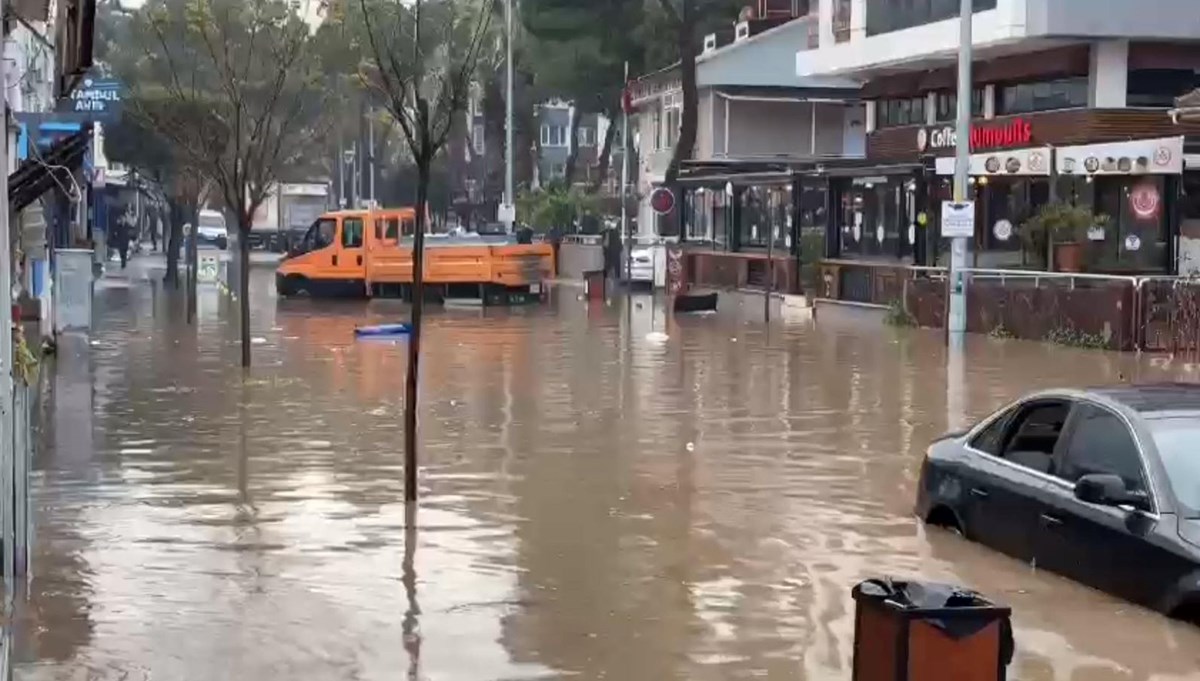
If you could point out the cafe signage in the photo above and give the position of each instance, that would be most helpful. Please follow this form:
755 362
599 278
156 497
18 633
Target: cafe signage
1017 132
1161 156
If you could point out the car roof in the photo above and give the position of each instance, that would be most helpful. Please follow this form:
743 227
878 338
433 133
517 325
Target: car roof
1154 398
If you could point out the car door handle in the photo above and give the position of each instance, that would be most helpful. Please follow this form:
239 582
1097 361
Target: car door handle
979 493
335 261
1050 520
359 259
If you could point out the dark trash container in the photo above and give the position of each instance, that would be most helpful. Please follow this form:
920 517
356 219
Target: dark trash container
594 283
921 631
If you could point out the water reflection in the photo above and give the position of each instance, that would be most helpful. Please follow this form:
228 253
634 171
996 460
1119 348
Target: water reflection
595 504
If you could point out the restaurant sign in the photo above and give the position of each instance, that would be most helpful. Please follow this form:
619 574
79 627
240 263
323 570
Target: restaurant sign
1015 133
1161 156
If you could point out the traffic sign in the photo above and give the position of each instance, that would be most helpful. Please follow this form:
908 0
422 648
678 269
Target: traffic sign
209 268
662 200
958 219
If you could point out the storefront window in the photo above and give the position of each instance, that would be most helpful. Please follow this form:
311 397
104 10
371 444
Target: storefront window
891 113
875 218
765 212
1136 236
1007 203
884 16
1064 93
947 104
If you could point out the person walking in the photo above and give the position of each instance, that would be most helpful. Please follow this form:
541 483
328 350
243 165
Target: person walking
120 240
612 253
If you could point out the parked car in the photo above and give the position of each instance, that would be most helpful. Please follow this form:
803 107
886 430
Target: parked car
1102 486
641 265
211 230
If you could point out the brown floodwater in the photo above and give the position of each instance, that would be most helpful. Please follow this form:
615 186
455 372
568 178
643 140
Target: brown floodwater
596 503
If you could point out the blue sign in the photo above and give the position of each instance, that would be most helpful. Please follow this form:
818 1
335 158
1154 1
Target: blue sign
96 99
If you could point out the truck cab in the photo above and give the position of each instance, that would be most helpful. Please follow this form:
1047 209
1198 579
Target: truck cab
328 260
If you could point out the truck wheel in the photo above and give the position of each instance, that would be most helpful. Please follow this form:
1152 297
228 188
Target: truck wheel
295 285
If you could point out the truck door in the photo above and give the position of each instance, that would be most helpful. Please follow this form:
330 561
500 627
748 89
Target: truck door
348 259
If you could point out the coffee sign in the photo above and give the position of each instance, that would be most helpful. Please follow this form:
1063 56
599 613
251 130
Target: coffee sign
1016 133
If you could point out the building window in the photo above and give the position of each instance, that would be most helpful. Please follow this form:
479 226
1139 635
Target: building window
656 123
890 113
842 12
672 117
1160 87
884 16
874 218
946 104
554 136
478 140
587 136
1064 93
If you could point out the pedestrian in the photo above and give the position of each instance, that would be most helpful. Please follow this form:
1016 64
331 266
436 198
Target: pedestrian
612 252
154 233
120 236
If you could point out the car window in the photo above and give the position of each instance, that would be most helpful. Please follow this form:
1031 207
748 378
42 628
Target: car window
1176 440
1102 443
387 229
352 233
991 439
326 231
1033 434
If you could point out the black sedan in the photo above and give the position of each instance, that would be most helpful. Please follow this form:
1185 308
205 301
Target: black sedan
1102 486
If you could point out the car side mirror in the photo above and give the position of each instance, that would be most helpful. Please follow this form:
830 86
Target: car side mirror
1108 490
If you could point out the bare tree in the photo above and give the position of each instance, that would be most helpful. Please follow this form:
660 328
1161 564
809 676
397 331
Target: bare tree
421 61
233 90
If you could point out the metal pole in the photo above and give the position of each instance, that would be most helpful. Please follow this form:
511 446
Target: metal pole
956 323
371 151
7 422
625 178
509 196
341 165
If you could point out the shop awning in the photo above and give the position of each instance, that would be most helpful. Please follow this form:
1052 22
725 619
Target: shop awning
51 169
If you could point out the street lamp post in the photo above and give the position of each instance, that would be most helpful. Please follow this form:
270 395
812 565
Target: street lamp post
956 323
508 211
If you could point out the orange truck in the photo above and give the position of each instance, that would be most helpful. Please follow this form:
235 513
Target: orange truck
369 253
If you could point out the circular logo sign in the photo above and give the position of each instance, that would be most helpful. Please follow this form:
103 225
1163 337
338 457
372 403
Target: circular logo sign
1124 164
1145 200
1037 162
1003 229
1013 165
1162 156
662 200
1133 242
992 165
1091 164
922 139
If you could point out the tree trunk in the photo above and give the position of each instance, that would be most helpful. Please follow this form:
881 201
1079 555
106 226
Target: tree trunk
193 214
244 284
686 143
573 145
605 160
172 238
414 341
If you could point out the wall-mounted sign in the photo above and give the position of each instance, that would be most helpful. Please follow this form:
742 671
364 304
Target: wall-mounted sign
1015 133
1035 161
662 200
1161 156
958 219
96 99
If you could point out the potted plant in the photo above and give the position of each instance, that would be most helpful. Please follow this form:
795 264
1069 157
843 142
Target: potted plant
1060 230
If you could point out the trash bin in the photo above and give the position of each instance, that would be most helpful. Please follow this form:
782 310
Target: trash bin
594 283
920 631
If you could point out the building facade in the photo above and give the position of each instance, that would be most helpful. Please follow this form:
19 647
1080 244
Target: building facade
1071 103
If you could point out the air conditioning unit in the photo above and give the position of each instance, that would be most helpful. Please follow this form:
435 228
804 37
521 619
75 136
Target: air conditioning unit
710 42
741 31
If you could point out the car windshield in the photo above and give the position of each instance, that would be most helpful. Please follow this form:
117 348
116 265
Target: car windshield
1178 442
212 222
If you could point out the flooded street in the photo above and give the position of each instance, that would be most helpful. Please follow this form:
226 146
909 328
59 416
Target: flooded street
596 505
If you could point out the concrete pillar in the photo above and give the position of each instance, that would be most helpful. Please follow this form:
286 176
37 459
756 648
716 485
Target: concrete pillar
871 120
825 23
1108 74
989 101
858 19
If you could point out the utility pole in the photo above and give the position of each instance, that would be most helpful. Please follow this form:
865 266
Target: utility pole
625 104
371 151
508 213
956 321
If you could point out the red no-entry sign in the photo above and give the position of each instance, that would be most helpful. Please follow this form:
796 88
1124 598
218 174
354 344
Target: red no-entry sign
662 200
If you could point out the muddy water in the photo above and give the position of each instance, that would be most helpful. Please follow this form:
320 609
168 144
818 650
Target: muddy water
595 505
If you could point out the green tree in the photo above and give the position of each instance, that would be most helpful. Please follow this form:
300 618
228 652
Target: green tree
232 85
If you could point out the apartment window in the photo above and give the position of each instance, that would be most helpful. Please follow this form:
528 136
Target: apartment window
946 104
1064 93
656 122
672 116
478 140
884 16
891 113
554 136
842 12
587 136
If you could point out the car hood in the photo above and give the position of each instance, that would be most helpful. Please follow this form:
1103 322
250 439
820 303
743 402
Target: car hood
1189 529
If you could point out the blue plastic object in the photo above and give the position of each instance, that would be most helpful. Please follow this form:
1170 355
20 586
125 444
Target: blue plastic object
383 330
